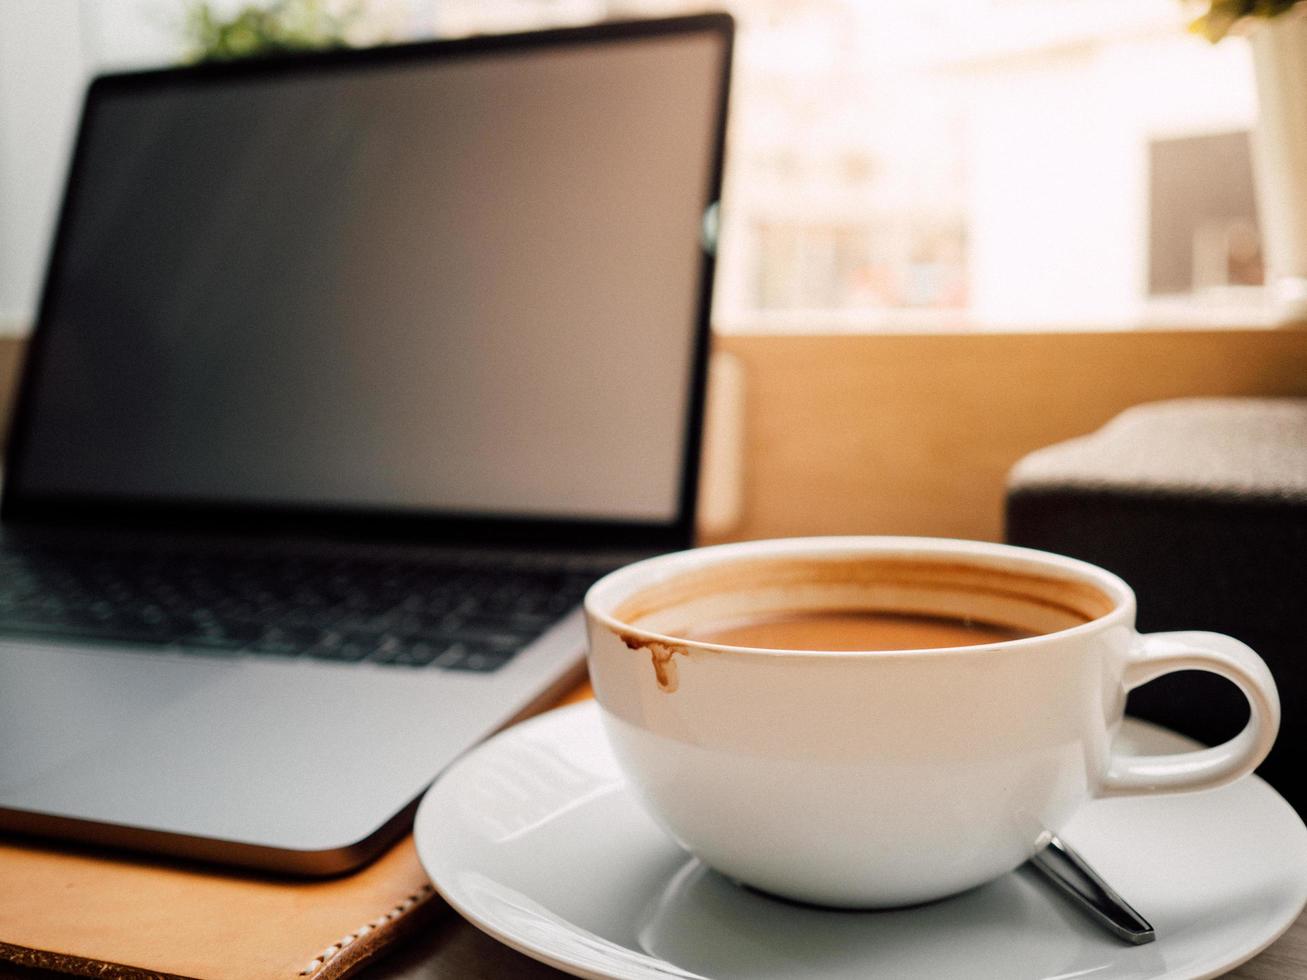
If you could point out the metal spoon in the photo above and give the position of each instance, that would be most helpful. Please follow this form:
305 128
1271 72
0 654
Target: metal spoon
1078 881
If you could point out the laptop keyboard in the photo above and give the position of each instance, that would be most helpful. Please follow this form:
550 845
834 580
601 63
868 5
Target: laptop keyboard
450 614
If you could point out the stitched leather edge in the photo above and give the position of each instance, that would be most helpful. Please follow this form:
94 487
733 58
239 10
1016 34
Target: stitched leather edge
78 966
357 948
335 962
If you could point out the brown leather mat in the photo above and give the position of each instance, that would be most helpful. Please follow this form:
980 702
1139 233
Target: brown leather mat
100 914
94 914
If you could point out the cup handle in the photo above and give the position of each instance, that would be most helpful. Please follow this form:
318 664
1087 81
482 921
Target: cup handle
1156 654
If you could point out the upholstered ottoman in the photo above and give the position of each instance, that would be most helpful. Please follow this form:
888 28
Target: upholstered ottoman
1201 505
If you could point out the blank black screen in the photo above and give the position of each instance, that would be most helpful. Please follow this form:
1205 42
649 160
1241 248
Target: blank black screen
462 285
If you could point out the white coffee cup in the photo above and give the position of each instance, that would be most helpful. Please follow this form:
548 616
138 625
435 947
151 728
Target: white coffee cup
887 778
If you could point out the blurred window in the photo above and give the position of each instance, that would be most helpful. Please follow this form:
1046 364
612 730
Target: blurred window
923 164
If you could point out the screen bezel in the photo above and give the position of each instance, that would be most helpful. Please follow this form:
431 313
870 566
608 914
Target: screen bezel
20 506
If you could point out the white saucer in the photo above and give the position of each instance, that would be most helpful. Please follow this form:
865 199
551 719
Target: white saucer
536 839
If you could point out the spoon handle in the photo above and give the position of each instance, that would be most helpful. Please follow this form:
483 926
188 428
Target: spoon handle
1076 879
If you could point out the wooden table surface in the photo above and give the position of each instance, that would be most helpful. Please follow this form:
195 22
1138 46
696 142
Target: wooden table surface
446 947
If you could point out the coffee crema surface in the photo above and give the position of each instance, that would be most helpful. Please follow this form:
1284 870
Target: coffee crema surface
858 603
842 630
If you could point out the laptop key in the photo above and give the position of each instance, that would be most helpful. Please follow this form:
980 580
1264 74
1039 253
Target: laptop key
518 626
285 642
480 659
345 647
314 617
213 642
221 636
408 652
451 656
498 639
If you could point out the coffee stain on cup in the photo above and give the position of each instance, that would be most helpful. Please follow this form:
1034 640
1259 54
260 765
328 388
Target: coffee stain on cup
661 654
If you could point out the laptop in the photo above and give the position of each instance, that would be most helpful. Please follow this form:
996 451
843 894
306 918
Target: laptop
351 372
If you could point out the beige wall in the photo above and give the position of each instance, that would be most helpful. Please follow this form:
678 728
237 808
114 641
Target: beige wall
914 434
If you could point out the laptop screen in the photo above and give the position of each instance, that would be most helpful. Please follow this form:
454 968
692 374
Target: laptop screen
456 279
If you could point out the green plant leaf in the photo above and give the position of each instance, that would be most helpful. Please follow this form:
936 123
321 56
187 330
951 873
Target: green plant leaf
1222 15
261 29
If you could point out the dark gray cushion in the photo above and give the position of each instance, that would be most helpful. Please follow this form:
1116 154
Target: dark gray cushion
1201 505
1226 448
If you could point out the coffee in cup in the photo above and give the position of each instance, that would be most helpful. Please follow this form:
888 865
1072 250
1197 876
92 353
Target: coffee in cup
833 630
876 722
